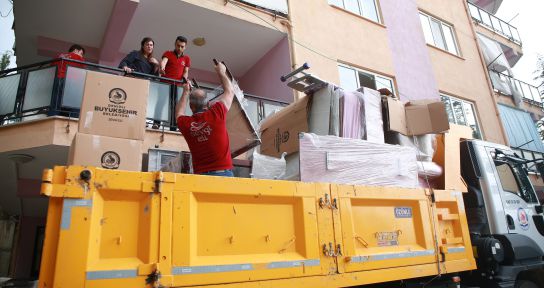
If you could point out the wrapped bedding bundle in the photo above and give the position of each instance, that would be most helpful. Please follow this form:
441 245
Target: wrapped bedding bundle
352 161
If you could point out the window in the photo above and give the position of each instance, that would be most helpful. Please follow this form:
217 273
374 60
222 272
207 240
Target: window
462 112
365 8
514 180
351 79
438 33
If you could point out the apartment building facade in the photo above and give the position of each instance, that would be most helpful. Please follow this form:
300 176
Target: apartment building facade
421 49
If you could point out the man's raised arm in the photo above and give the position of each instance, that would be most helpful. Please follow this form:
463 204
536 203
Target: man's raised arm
181 106
228 89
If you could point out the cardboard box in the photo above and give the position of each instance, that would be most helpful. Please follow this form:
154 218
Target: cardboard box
279 133
415 117
106 152
114 106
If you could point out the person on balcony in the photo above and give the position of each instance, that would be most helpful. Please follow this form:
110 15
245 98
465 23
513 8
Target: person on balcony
142 60
76 52
175 64
206 130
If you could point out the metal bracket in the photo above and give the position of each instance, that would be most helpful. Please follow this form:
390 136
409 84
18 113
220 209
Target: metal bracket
326 202
329 250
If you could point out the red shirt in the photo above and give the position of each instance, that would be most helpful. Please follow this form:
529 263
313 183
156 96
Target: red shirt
207 137
61 65
176 65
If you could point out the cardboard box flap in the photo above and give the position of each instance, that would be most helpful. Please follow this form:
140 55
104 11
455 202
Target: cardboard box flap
279 133
417 117
396 116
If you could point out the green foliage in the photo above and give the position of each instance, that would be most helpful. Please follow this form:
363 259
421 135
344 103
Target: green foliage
5 61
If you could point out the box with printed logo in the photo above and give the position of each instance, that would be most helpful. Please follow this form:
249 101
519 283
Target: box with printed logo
114 106
106 152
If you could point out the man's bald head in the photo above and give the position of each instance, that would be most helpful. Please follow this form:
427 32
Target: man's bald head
197 100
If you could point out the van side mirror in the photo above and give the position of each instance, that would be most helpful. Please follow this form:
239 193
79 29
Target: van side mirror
539 209
540 169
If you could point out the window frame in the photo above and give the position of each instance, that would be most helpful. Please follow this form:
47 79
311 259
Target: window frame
456 50
463 102
361 12
394 90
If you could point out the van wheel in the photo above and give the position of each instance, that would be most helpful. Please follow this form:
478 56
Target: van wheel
525 284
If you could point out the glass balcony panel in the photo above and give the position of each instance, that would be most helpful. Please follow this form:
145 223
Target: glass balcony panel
506 29
270 108
536 94
496 24
486 18
158 106
73 87
8 93
474 12
39 88
515 34
526 91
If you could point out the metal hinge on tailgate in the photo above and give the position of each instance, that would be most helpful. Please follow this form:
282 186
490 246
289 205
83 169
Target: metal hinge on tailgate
326 202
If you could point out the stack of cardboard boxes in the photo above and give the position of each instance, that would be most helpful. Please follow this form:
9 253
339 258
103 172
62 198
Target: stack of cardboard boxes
112 123
351 137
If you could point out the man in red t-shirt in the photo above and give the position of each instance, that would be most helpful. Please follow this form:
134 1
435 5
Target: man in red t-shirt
206 130
75 52
175 64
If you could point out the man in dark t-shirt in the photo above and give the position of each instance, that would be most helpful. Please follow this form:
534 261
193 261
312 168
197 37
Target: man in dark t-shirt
206 130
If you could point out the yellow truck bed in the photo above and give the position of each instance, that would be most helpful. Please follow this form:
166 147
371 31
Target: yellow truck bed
116 228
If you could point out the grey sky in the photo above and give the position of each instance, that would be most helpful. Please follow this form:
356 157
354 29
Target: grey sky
529 23
6 34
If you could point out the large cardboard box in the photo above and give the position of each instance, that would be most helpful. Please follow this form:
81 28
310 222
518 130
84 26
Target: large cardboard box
279 133
106 152
416 117
114 106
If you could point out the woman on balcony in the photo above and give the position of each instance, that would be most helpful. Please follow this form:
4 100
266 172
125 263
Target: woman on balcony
141 61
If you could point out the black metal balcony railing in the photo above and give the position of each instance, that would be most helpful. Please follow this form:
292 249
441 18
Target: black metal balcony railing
35 91
508 85
495 24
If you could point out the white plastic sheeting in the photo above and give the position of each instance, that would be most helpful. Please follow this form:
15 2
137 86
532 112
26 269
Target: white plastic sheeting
373 115
493 54
353 161
267 167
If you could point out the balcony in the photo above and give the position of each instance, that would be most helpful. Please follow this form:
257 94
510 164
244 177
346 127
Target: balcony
275 7
34 92
494 24
509 86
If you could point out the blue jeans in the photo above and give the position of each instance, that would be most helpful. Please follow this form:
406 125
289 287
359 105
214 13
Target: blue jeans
223 173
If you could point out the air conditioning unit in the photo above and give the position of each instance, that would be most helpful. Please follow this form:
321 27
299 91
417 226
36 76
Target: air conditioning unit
169 161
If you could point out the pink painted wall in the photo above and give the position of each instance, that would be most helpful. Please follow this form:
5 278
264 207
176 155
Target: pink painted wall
411 61
263 79
25 245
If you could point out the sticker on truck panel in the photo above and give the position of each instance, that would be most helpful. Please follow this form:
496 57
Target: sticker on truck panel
403 212
523 219
387 238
